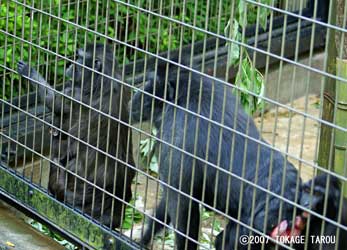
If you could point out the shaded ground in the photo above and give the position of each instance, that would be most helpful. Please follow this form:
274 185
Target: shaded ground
16 234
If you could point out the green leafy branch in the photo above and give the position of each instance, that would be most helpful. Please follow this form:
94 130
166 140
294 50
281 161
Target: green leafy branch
248 78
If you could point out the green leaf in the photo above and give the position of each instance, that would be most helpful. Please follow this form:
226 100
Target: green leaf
132 216
250 79
242 12
264 13
233 48
206 215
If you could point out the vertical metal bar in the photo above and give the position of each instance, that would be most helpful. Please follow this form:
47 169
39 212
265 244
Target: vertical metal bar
173 124
55 84
163 112
191 61
47 73
2 144
63 90
304 118
147 44
27 99
107 14
80 114
20 85
242 51
220 136
262 119
120 102
277 95
200 97
11 84
185 129
113 74
327 83
231 152
291 101
341 204
137 27
93 96
332 156
37 99
330 32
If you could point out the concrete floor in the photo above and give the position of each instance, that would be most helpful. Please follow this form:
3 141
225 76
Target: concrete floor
17 234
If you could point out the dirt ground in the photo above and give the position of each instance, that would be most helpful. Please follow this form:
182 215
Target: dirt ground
293 133
288 131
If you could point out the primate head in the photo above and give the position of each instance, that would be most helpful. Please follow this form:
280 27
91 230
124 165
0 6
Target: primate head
315 202
95 56
160 85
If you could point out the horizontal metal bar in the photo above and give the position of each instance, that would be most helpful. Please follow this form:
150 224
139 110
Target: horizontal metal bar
61 217
171 187
188 26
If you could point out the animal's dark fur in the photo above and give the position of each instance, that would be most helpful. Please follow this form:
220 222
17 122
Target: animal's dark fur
94 128
322 186
227 149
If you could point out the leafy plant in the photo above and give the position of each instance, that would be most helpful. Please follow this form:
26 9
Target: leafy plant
46 231
248 13
62 25
132 216
248 78
169 238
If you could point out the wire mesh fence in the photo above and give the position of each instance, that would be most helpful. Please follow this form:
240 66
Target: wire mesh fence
179 124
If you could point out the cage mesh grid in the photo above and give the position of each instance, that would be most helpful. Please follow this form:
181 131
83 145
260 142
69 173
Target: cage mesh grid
178 26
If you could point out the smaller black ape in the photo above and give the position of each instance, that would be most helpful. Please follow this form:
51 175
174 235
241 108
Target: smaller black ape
315 202
94 128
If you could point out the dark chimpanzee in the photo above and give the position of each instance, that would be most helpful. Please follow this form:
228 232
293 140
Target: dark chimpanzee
317 239
92 127
199 132
322 186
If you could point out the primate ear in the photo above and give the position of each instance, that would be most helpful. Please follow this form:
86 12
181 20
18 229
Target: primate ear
149 76
170 91
80 53
69 70
335 194
97 65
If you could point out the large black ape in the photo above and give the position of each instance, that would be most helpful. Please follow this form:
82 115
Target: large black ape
92 127
228 150
315 202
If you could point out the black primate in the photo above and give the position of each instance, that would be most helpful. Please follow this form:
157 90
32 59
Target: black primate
213 143
96 129
315 202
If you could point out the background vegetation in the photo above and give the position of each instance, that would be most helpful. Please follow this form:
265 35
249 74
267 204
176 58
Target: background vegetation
39 30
